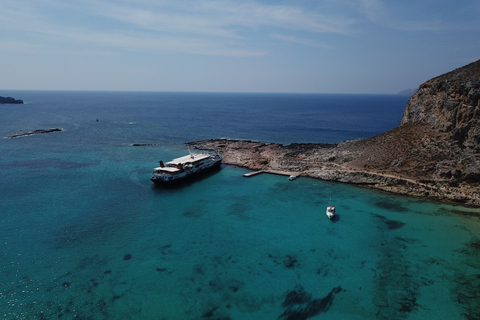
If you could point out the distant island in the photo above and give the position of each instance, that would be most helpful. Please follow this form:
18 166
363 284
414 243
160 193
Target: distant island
434 152
9 100
407 92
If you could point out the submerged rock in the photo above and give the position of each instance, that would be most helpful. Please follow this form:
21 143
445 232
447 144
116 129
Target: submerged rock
300 305
297 296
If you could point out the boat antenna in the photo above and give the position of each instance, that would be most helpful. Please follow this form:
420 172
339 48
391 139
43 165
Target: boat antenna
331 184
189 152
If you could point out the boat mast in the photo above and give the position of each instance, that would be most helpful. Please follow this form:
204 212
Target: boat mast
190 152
331 182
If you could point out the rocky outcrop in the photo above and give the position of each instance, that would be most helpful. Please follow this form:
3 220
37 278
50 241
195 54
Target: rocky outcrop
10 100
31 133
434 152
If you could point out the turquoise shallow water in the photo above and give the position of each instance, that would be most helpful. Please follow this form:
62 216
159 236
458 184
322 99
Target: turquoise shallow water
231 246
86 235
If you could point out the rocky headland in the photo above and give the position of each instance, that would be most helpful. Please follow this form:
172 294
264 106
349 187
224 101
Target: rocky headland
433 153
10 100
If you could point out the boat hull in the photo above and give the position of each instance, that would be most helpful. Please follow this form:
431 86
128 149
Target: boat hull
330 212
190 177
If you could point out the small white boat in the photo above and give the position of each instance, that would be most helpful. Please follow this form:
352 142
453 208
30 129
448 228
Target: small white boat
292 177
330 212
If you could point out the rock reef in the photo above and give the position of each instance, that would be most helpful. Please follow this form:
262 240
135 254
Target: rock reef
31 133
433 153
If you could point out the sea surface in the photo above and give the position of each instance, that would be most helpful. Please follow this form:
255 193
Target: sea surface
86 235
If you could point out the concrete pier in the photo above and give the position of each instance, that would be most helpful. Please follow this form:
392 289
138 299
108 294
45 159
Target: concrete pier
253 173
283 173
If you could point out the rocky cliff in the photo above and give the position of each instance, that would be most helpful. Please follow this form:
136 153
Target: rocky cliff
434 152
450 103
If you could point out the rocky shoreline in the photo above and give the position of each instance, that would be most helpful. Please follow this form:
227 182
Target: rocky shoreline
326 163
434 153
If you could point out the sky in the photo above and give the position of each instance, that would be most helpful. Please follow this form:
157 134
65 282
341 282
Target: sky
302 46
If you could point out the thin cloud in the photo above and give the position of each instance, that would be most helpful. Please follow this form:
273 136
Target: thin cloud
197 27
146 43
301 41
213 27
17 46
373 9
222 18
428 16
167 36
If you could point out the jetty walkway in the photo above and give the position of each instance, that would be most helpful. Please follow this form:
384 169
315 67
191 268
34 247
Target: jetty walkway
282 173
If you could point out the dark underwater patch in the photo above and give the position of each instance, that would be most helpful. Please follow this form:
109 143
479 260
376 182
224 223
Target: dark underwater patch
192 214
389 224
392 224
297 296
240 209
48 163
300 305
288 261
398 280
474 244
209 315
467 283
96 223
282 187
391 206
465 213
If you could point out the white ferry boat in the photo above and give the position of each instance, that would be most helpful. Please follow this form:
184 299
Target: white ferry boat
184 168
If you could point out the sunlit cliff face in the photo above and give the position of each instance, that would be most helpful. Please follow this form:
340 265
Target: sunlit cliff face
450 103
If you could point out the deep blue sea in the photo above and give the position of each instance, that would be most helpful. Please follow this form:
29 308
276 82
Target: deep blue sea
86 235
